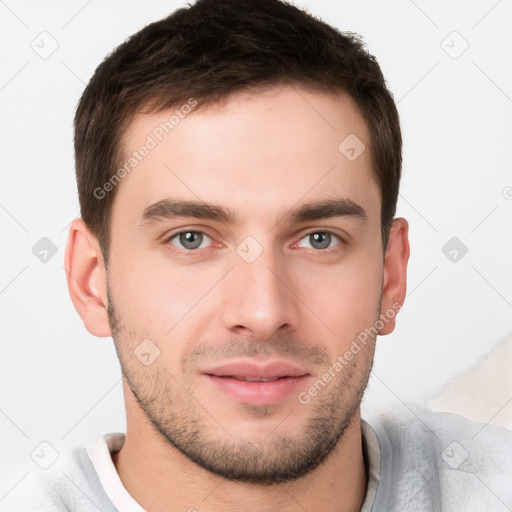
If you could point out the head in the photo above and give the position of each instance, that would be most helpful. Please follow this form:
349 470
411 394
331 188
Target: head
238 166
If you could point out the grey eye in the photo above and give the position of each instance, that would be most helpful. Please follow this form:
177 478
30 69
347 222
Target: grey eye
320 240
189 239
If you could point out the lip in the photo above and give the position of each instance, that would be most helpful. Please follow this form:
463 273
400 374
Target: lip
227 378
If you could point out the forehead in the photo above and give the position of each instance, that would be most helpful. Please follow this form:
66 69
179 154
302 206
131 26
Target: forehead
257 153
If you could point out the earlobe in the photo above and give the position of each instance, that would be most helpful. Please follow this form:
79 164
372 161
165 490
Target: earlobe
395 274
87 279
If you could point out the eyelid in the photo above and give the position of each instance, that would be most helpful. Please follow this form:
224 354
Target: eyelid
179 233
185 229
342 239
166 239
341 235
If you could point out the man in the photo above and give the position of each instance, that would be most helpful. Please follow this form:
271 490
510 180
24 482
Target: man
238 166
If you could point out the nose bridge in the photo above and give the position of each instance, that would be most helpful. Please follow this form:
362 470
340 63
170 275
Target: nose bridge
258 300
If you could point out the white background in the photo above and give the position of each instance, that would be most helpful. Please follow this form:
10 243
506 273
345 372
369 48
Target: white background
60 384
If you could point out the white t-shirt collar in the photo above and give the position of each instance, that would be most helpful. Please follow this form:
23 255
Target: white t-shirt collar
101 458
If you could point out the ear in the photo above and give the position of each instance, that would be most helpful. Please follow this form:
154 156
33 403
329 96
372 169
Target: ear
395 274
87 278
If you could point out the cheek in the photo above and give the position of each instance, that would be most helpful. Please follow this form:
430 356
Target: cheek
346 297
154 298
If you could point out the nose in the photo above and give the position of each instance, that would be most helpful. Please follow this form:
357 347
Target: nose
259 299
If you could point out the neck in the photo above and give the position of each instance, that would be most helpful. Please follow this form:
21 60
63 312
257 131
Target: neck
160 478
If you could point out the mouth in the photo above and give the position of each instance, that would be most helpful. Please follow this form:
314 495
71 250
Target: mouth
257 384
250 379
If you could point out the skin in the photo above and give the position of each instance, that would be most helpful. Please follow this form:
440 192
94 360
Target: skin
259 157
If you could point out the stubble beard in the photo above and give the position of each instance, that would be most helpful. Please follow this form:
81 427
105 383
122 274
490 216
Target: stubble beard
276 457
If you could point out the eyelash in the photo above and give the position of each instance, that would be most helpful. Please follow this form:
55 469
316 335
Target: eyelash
331 233
168 239
328 250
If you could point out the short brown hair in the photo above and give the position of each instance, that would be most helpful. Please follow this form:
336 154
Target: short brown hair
209 51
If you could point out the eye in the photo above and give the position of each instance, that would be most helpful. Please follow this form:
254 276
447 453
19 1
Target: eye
320 240
190 240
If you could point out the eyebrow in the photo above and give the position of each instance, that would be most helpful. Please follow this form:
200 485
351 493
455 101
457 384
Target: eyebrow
174 208
325 210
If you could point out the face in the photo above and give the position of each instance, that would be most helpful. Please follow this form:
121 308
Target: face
246 258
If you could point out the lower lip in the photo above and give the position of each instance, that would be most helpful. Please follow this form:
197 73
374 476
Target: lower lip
259 393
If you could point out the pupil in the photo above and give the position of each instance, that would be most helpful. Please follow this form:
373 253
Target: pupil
191 239
320 240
